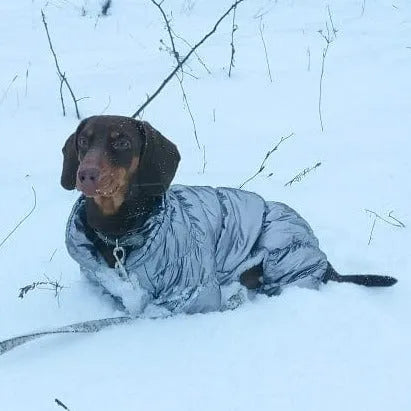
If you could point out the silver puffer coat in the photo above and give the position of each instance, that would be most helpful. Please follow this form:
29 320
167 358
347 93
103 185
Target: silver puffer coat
201 240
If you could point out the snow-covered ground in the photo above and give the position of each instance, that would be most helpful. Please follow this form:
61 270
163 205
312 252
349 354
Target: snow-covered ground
342 348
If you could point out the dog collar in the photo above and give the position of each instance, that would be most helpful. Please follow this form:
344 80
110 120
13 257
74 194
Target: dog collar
131 239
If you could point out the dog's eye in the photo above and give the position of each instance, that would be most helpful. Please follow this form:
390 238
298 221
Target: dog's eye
121 144
82 142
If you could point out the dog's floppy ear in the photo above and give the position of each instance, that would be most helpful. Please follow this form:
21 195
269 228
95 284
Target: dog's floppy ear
70 160
159 160
70 163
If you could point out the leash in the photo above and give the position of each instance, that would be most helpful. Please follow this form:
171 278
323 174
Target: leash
119 253
92 326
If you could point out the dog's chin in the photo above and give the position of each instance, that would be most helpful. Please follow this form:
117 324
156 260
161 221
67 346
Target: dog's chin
104 193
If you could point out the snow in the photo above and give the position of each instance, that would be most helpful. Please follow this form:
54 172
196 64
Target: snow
342 348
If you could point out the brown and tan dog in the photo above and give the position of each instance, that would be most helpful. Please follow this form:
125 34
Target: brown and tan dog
124 167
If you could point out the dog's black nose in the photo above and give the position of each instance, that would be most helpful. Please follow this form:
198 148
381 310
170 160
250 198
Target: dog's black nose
89 175
87 180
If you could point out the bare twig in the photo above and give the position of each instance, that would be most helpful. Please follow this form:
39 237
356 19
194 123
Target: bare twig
325 51
331 21
204 159
328 38
107 105
184 60
396 223
180 80
391 220
399 223
262 166
105 7
52 255
58 402
49 285
363 8
176 55
170 35
200 60
27 77
62 76
233 30
23 219
61 94
309 59
3 97
261 29
372 230
301 175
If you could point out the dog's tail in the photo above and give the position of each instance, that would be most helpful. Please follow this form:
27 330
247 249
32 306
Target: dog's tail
367 280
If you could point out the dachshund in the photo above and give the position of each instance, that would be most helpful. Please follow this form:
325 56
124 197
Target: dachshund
123 168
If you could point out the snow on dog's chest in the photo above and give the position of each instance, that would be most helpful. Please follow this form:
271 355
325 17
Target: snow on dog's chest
127 288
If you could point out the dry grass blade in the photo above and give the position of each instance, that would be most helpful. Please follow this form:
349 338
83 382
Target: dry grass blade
23 219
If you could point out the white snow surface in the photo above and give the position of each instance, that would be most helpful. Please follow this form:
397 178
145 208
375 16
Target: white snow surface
344 347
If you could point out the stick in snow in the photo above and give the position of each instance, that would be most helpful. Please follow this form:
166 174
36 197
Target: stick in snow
184 60
23 219
92 326
262 166
62 76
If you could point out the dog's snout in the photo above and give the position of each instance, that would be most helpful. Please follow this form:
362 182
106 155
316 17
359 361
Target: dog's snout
88 178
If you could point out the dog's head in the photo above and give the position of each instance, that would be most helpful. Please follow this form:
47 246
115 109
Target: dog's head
107 156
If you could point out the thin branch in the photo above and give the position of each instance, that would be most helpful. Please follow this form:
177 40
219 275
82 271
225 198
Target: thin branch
325 51
61 94
184 60
204 159
52 255
105 7
58 402
62 76
3 97
107 106
301 175
400 224
328 38
23 219
233 30
200 60
189 111
261 28
372 231
170 35
363 8
49 285
189 74
331 21
27 77
262 166
54 286
177 58
395 222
